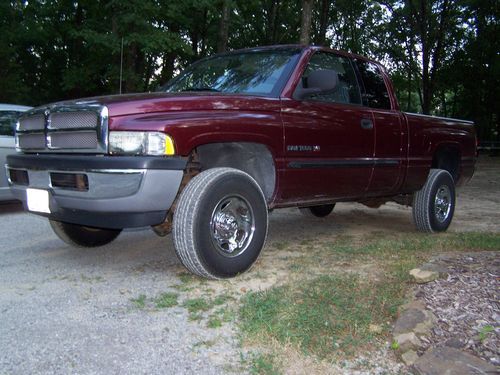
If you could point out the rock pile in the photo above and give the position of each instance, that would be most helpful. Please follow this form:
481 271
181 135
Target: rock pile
453 324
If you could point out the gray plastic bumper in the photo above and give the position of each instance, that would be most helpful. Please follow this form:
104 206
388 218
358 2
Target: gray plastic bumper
115 197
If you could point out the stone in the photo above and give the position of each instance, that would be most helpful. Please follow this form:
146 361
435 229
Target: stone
450 361
412 304
436 267
407 341
422 276
455 342
409 357
417 320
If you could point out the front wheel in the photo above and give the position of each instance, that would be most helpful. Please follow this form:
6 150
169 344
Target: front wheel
434 204
82 236
220 223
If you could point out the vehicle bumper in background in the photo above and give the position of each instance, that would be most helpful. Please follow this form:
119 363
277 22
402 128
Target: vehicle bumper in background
99 191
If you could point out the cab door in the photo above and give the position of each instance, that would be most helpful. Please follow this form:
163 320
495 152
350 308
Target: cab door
390 132
329 136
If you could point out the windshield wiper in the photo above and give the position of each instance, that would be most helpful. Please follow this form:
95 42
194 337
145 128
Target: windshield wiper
201 89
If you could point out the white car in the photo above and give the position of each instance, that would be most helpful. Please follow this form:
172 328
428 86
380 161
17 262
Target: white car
8 117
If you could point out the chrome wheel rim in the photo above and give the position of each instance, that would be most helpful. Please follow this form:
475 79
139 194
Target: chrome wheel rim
442 203
232 225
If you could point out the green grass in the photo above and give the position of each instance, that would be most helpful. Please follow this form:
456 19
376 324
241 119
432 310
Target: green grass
262 364
196 305
139 302
188 282
166 300
328 313
214 322
485 331
322 315
221 316
222 299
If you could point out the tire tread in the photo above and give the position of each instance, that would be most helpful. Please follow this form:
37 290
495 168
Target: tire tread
421 212
188 205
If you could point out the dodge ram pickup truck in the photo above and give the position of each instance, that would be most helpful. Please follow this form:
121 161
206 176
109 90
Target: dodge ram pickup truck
230 138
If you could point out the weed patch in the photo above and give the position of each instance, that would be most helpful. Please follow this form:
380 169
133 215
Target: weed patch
139 302
262 364
196 305
166 300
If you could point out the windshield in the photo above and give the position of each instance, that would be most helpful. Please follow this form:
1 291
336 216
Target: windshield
253 72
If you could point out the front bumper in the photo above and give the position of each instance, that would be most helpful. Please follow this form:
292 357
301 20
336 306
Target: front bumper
119 191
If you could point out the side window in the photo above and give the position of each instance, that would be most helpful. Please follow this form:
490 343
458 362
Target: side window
346 90
375 94
8 122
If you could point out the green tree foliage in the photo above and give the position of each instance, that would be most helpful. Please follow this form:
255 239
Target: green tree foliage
441 54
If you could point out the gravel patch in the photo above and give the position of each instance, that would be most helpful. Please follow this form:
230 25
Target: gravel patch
71 311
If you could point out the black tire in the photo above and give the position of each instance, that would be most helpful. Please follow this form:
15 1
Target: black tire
82 236
318 211
220 223
434 204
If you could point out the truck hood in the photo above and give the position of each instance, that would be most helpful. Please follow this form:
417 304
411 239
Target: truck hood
130 104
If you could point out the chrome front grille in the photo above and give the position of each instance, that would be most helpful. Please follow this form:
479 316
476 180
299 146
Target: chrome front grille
75 128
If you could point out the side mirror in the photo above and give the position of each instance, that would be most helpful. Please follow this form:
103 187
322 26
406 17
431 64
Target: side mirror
317 82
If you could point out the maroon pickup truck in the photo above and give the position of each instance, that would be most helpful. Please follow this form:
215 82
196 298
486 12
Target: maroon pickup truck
230 138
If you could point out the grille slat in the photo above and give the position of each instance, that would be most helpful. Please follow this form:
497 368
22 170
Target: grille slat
73 140
31 141
73 120
64 129
36 122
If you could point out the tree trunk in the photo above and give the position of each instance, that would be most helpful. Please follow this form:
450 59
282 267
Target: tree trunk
224 26
323 21
424 39
203 36
305 28
168 67
408 99
431 35
272 22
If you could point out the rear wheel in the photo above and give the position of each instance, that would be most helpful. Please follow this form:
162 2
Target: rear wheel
318 211
82 236
220 223
434 204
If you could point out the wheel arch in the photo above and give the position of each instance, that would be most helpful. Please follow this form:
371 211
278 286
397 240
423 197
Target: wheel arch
448 156
256 159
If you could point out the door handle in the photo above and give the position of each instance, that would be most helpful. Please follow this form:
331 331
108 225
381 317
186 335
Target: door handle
366 124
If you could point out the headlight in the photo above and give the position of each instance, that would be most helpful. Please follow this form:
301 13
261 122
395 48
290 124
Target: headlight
140 143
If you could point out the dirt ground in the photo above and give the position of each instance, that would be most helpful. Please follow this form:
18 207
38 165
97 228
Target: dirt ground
70 311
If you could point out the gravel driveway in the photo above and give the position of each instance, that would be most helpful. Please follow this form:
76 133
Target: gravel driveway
65 310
